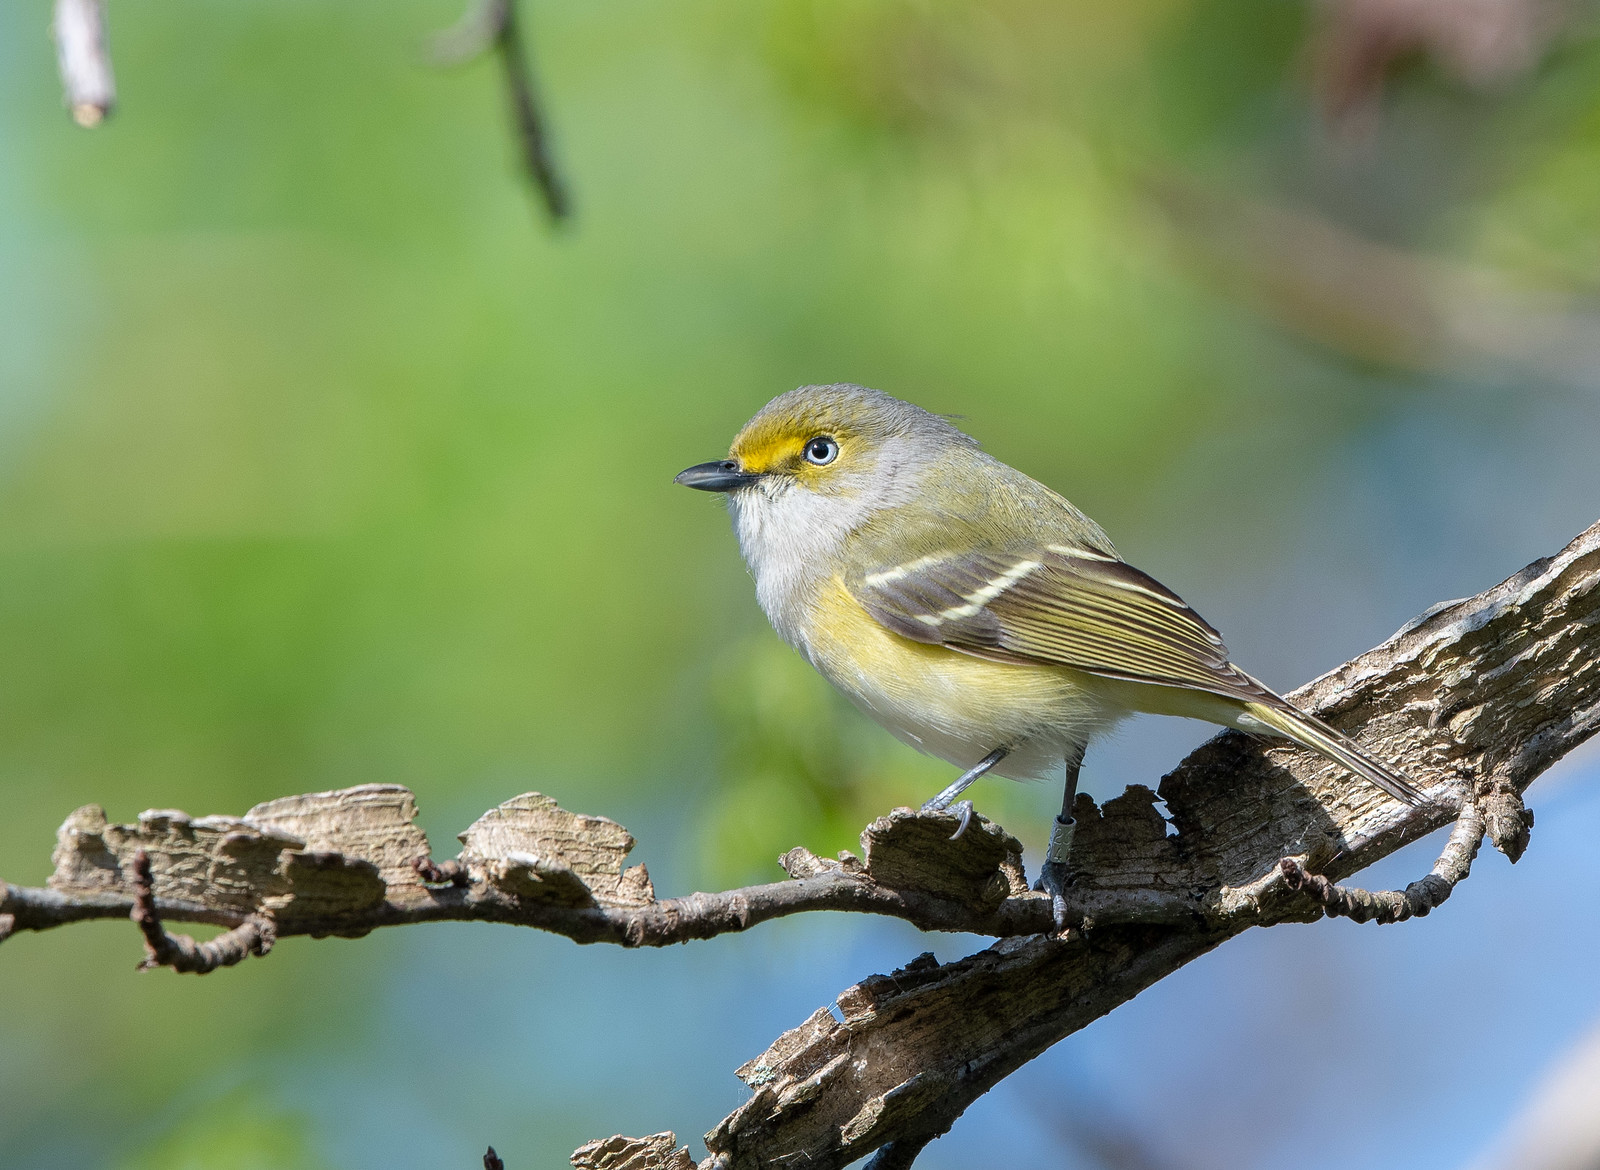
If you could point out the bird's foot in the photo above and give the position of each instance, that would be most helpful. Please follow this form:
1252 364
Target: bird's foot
1053 881
962 809
1053 873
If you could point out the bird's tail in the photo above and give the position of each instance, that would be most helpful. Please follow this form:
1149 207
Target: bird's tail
1311 732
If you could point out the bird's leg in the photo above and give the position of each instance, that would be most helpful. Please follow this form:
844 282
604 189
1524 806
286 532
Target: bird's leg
961 784
1053 873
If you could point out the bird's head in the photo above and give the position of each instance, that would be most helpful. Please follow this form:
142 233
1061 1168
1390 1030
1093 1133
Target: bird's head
845 443
813 467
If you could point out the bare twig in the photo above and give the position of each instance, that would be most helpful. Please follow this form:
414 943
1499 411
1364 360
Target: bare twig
441 873
180 952
84 60
1389 906
495 24
531 129
90 90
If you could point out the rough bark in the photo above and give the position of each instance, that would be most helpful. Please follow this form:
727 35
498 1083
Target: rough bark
1472 700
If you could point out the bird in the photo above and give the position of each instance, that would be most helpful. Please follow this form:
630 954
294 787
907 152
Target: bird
970 610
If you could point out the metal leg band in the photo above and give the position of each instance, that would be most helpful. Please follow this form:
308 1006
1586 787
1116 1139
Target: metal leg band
1061 834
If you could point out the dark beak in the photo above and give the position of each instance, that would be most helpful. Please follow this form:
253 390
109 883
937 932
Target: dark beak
721 476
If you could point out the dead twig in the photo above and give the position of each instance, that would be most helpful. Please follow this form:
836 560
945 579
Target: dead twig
84 60
441 873
495 24
254 936
1390 906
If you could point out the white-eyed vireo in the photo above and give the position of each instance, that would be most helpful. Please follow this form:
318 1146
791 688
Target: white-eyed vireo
972 611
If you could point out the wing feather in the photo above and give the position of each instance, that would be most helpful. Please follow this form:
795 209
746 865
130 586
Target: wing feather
1082 608
1057 605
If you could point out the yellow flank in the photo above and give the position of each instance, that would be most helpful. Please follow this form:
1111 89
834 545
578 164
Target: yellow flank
948 703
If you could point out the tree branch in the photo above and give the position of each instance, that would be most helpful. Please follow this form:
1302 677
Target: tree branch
349 861
1473 700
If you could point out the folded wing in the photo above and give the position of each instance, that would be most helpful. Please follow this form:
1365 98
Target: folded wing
1072 606
1058 604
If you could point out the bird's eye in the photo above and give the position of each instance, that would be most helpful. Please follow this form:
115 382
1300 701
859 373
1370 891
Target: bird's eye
822 451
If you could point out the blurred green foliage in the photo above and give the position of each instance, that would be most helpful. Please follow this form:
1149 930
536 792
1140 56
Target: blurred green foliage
322 461
231 1134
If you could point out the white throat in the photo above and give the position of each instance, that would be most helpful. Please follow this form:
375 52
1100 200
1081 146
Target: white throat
795 539
791 538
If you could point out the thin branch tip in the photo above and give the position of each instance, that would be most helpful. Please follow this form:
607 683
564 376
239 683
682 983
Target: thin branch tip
495 25
532 125
442 873
1390 906
1508 821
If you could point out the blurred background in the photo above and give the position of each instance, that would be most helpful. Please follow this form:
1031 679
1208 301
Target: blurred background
325 460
